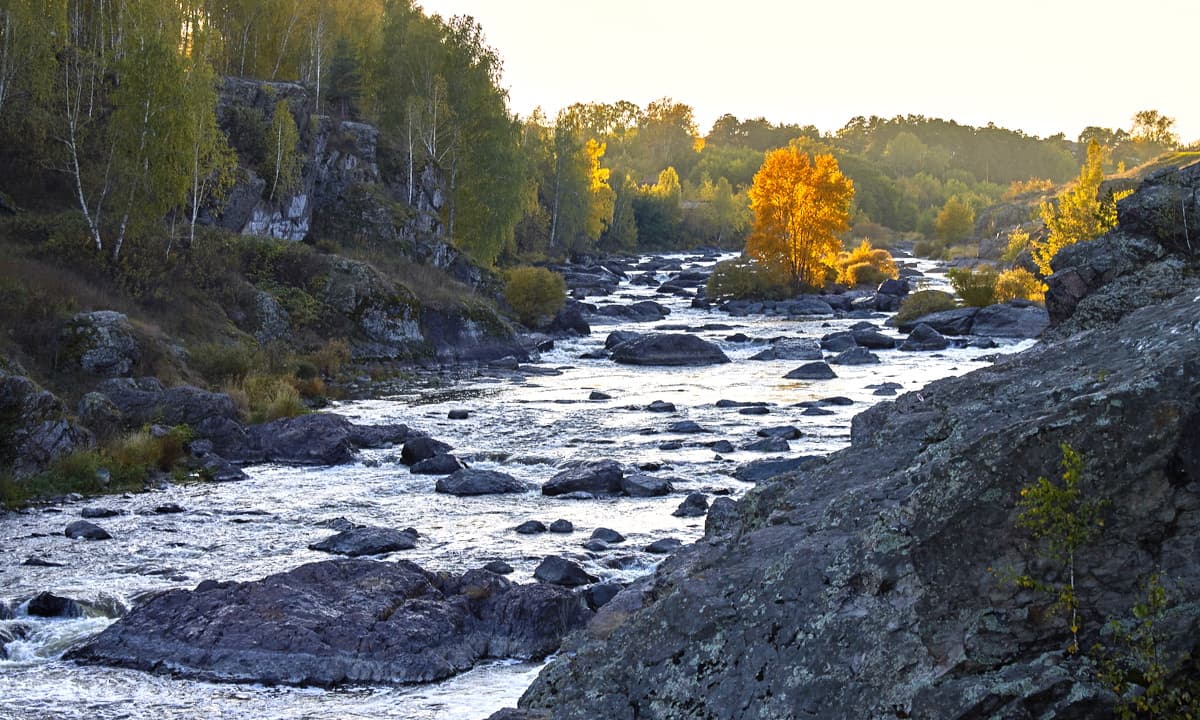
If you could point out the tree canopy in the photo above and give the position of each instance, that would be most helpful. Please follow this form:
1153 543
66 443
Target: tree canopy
801 204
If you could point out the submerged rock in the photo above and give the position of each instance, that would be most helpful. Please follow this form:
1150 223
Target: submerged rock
339 621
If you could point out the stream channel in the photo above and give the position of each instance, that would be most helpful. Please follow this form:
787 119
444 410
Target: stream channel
525 423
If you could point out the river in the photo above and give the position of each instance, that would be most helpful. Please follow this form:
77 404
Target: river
525 423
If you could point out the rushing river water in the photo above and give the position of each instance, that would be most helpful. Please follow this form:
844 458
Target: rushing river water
527 424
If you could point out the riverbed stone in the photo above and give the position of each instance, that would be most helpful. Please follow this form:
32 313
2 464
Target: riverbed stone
557 570
668 349
838 342
787 432
774 444
499 567
755 410
694 505
686 427
924 338
422 448
474 481
84 530
812 371
355 542
607 535
663 546
1013 319
661 406
440 464
599 477
96 512
49 605
339 621
562 526
856 356
642 485
947 322
530 527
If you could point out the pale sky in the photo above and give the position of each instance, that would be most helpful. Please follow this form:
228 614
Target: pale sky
1041 66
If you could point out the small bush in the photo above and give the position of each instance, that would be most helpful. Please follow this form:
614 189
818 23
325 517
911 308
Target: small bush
924 302
744 279
221 363
929 248
1019 284
865 265
535 293
976 286
1018 242
331 356
263 398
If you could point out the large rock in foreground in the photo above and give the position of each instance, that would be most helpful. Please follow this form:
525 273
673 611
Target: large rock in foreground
862 587
340 621
670 349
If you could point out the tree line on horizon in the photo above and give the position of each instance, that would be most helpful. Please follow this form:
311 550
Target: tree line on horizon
110 107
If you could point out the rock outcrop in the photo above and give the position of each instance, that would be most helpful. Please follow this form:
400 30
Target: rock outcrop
868 585
339 621
35 429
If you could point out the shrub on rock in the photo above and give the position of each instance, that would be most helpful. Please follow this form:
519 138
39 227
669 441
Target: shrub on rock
535 293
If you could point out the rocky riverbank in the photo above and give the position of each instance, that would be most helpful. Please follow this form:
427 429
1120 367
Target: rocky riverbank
866 585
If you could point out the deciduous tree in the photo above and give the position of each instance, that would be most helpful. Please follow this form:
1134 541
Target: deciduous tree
1078 214
800 205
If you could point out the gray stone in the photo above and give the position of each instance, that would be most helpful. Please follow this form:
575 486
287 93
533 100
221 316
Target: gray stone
812 371
607 535
668 349
560 571
665 546
694 505
442 464
104 342
358 541
600 477
82 529
530 527
947 322
1014 319
339 621
787 432
796 349
924 338
562 526
761 470
422 448
641 485
856 356
473 481
768 444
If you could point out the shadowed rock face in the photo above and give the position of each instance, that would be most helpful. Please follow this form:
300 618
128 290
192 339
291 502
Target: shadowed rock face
340 621
862 586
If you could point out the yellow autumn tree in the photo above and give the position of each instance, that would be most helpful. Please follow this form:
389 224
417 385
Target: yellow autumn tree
800 205
1079 213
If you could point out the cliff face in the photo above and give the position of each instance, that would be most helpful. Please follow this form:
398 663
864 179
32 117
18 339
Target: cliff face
867 586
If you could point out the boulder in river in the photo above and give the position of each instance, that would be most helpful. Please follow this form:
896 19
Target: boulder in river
530 527
562 526
339 621
796 349
422 448
924 338
560 571
441 464
367 541
82 529
641 485
668 349
760 470
473 481
49 605
1013 319
694 505
602 477
812 371
856 356
947 322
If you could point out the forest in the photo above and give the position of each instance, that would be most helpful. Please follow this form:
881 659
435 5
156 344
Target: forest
109 108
